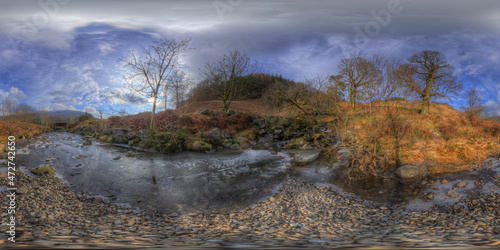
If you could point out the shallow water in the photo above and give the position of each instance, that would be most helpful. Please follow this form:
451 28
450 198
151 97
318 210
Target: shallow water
221 181
181 182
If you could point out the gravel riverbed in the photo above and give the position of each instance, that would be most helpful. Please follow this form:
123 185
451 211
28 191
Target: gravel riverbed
49 214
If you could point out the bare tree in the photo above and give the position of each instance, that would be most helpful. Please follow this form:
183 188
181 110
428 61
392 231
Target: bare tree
149 70
225 74
474 103
356 75
101 112
431 76
179 84
7 107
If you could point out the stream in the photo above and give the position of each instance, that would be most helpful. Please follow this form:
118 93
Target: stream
187 182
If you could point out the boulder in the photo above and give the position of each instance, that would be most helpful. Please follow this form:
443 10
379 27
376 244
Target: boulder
106 131
143 134
205 112
460 184
453 194
302 157
120 131
131 135
44 170
411 171
120 139
22 190
213 134
230 112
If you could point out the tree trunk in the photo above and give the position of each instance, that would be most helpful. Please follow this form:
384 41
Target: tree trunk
352 100
152 124
426 103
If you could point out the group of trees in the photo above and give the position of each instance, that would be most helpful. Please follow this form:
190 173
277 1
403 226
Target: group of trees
13 111
426 75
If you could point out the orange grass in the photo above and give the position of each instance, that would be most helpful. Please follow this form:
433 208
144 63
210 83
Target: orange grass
445 139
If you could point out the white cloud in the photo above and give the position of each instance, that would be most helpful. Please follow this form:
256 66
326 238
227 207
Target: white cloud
91 110
13 94
493 107
105 48
58 106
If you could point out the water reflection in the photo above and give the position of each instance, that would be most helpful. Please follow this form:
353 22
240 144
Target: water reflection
182 182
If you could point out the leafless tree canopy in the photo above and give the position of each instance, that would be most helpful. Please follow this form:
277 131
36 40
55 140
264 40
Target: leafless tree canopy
431 76
356 75
179 84
148 70
474 103
223 74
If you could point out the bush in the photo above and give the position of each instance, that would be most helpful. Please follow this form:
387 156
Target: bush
85 117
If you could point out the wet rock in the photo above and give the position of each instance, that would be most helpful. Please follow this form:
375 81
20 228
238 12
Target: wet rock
411 171
453 194
205 112
44 170
22 190
87 143
430 196
444 181
143 134
106 131
305 156
460 184
230 112
477 183
120 139
117 158
131 135
213 134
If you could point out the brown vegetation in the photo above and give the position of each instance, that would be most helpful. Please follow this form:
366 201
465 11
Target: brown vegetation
395 133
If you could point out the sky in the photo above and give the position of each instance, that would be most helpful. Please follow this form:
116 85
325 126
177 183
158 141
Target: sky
63 54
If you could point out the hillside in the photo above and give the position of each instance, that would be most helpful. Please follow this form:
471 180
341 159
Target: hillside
253 106
444 141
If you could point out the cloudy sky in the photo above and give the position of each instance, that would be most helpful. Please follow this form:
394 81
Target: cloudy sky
63 54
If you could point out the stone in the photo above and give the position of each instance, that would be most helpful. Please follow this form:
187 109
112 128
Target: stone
131 135
411 171
44 170
230 112
106 131
444 181
213 134
87 143
460 184
120 139
205 112
453 194
22 190
143 134
430 196
117 158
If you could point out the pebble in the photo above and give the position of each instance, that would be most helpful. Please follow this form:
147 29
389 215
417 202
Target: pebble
453 194
299 214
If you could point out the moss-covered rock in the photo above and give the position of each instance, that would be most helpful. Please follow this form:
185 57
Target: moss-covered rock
172 146
300 142
120 139
44 170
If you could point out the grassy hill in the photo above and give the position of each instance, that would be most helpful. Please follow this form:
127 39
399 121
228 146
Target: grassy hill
445 141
